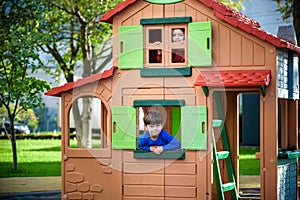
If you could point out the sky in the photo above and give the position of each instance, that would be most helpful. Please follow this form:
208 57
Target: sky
265 12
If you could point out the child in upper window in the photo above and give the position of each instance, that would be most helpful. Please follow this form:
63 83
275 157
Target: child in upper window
178 37
156 139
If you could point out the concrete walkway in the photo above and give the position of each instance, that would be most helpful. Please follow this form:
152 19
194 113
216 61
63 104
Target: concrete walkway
29 184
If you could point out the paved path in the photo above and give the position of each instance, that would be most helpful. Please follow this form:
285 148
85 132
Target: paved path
29 184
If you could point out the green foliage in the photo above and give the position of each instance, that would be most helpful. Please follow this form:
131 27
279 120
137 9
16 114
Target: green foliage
234 4
285 7
18 55
26 117
72 35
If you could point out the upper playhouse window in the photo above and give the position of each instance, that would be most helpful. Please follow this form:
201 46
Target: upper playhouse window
165 43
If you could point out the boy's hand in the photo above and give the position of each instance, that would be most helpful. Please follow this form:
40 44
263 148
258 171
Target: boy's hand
158 150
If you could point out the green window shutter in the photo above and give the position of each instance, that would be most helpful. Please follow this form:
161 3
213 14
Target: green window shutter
123 127
130 47
193 128
200 44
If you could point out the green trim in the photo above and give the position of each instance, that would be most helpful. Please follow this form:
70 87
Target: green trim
163 1
176 120
152 102
263 90
175 154
205 90
288 154
167 20
166 72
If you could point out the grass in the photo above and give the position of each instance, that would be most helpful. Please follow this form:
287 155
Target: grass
35 158
43 158
249 165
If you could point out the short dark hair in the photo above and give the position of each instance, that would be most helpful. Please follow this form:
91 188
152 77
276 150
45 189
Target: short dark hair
153 117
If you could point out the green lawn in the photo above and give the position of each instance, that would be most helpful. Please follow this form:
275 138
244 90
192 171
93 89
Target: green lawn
35 158
43 158
249 165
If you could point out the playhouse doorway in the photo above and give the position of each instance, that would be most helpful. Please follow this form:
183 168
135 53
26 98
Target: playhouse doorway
232 108
249 144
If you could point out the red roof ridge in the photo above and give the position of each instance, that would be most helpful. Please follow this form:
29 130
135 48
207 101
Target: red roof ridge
56 91
223 13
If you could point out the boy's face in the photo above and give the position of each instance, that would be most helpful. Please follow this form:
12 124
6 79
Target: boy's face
154 130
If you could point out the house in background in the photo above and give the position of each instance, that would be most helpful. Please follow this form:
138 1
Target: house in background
270 20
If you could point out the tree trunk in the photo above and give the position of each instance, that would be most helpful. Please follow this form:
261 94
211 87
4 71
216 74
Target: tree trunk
83 122
14 150
86 122
13 146
77 123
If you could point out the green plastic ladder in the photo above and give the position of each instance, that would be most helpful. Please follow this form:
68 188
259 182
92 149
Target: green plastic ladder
222 155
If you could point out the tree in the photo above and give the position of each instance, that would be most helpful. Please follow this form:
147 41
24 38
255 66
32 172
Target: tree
74 38
235 5
291 8
27 117
18 92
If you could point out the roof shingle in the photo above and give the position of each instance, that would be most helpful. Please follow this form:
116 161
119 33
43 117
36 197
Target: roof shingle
224 13
234 78
80 82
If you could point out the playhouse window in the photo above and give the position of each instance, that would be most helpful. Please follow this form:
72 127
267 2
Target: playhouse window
89 133
186 123
138 46
165 45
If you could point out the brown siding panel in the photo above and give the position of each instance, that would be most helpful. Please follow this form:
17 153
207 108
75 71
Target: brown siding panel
224 46
180 180
140 167
174 191
236 49
144 190
247 52
181 169
259 55
143 179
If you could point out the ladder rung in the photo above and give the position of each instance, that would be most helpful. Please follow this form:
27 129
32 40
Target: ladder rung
228 186
223 154
217 122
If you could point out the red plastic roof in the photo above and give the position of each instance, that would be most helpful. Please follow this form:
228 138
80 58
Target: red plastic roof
80 82
236 78
224 13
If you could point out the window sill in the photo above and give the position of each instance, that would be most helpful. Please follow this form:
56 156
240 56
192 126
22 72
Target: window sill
166 72
175 154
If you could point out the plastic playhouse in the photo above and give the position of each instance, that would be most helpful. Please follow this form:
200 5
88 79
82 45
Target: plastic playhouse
224 54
